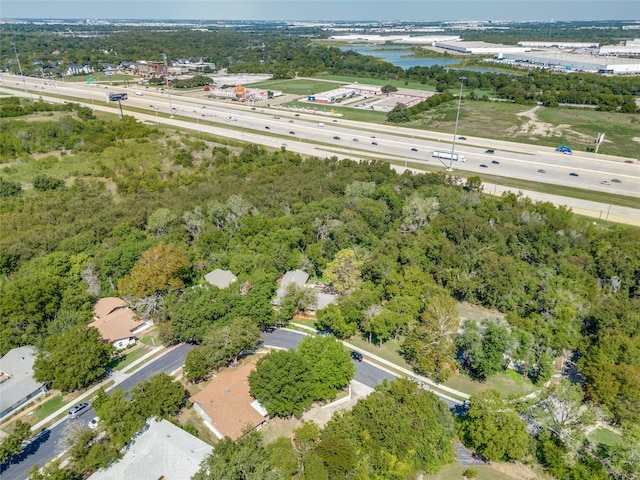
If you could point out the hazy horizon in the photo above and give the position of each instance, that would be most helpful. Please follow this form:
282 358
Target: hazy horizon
324 10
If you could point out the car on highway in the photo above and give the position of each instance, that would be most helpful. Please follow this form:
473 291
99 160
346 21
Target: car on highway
616 180
336 138
267 127
356 356
292 132
276 117
462 138
253 108
414 149
564 149
93 423
482 165
374 143
78 410
605 182
290 121
495 162
628 161
490 151
334 121
356 140
542 171
297 115
574 174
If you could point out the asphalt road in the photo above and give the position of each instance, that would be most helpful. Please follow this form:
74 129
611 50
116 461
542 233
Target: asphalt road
50 445
247 123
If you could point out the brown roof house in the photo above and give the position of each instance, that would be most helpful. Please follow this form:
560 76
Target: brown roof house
116 322
226 405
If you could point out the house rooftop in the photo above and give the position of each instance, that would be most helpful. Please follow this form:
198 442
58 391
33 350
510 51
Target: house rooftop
227 402
114 320
297 277
220 278
16 369
163 451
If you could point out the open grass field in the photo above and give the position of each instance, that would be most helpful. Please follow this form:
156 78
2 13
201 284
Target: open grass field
507 383
605 436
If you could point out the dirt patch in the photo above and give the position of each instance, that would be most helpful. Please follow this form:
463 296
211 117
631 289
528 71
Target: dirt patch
534 128
636 139
476 312
515 470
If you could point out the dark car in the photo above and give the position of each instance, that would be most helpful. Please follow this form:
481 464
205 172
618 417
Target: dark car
490 151
414 149
616 180
356 356
356 140
574 174
297 115
628 161
495 162
482 165
542 171
462 138
79 410
292 133
336 138
267 127
374 143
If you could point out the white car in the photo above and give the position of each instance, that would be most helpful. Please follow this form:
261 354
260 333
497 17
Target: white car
93 424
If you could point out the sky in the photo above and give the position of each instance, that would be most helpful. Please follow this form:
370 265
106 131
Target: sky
381 10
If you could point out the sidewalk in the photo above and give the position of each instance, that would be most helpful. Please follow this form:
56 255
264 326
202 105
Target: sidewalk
396 368
116 377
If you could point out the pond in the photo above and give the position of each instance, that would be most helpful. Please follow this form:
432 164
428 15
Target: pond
398 56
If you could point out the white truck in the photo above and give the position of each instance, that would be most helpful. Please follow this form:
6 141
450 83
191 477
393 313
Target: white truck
447 156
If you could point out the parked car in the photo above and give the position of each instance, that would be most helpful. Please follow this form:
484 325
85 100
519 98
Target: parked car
79 410
356 356
93 424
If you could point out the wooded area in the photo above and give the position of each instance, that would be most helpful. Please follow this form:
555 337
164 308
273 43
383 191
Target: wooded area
93 208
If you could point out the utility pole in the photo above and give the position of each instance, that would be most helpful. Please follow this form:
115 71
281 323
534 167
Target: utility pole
455 130
24 83
166 79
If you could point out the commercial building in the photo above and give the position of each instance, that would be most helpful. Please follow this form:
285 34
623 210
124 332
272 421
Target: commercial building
480 48
568 62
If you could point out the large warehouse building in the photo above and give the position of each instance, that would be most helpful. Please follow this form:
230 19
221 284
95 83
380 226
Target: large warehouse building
574 62
480 47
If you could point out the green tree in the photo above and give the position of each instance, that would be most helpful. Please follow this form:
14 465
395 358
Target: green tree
73 359
12 444
117 417
493 428
244 459
283 383
159 397
331 318
330 365
430 344
399 114
344 271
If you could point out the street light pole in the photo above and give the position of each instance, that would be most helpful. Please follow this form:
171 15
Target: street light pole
166 73
455 130
24 83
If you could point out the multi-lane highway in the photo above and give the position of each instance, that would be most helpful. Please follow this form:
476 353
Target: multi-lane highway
322 135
